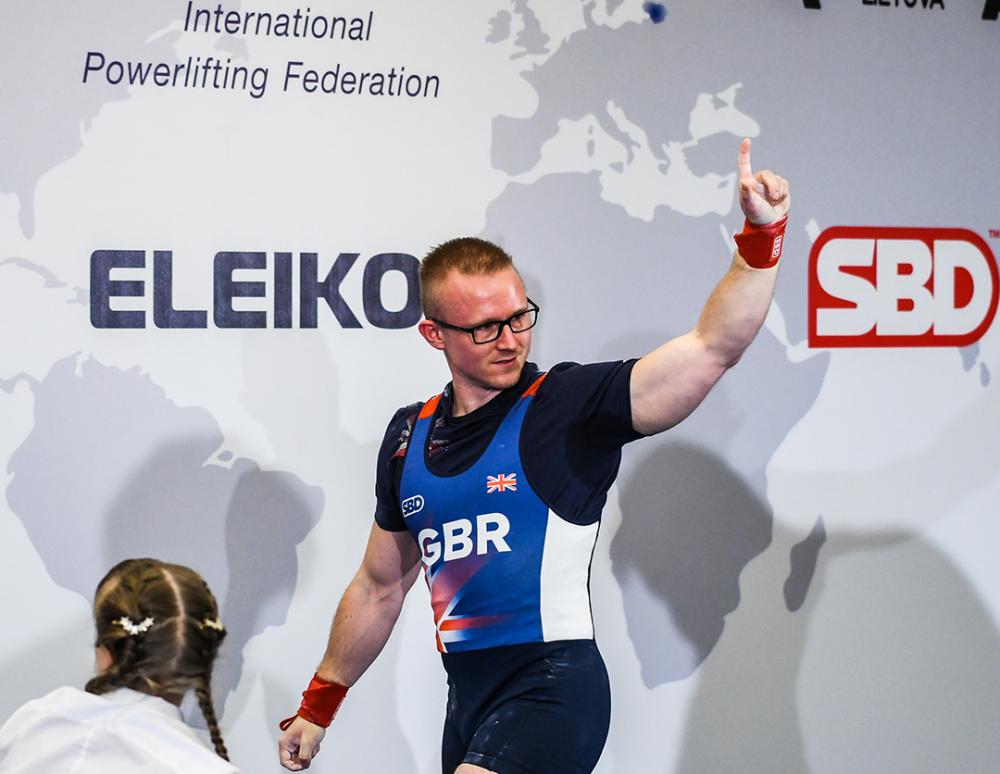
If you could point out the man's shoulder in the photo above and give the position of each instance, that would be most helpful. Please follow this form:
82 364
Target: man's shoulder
403 413
398 431
572 375
592 395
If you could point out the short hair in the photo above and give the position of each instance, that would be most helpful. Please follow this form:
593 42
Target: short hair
466 255
160 623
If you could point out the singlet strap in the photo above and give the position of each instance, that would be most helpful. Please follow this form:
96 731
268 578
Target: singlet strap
429 407
534 386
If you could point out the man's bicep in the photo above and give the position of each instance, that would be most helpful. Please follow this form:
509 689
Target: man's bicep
668 384
392 559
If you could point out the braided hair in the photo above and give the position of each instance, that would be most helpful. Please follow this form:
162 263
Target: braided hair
160 623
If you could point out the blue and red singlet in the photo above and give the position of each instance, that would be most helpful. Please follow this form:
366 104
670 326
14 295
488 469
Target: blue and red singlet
501 566
505 503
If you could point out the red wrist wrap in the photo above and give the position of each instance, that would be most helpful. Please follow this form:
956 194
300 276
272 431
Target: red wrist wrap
320 702
760 246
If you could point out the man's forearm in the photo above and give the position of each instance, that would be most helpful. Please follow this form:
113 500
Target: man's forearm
735 311
668 383
361 627
738 305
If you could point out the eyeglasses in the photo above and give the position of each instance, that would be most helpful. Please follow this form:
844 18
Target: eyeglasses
490 330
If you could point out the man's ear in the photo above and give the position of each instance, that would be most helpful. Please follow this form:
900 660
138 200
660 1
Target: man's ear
431 333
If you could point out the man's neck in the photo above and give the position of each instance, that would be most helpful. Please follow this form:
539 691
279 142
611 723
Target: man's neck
466 397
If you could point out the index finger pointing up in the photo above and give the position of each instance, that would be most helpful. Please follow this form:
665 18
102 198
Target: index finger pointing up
744 159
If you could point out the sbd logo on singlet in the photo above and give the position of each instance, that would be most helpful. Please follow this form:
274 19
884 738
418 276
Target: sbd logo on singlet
459 538
900 287
412 505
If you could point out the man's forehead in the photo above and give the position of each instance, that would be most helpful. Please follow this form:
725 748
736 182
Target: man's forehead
478 289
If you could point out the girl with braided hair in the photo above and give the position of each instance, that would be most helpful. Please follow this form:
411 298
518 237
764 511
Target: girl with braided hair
158 633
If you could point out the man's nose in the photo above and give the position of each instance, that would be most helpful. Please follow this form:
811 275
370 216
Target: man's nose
507 338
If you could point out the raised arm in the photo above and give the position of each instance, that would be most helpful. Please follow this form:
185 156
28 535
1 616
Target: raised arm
365 617
670 382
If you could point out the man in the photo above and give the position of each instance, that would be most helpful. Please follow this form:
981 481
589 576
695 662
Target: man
496 487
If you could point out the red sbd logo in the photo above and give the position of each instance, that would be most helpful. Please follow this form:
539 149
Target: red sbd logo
900 287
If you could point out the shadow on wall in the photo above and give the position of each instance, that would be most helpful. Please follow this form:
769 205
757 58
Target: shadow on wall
891 664
867 652
304 423
689 527
238 526
113 469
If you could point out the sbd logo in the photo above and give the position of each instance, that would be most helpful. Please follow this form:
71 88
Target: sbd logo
412 505
900 287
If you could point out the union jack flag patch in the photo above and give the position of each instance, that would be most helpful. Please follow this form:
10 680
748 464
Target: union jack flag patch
501 482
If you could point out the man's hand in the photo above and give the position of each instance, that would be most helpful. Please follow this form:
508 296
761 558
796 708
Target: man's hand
299 744
764 197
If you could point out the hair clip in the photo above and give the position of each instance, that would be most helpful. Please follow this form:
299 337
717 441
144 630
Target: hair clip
213 623
134 628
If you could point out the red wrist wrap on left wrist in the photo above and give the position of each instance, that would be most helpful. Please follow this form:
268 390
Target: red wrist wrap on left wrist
320 702
760 246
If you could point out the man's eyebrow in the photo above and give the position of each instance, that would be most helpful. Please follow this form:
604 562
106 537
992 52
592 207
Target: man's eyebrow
490 322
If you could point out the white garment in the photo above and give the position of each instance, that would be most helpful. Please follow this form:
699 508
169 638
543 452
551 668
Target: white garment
70 730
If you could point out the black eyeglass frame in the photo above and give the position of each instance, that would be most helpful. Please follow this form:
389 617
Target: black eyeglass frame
533 308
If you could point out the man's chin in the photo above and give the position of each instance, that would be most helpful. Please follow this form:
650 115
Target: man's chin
507 377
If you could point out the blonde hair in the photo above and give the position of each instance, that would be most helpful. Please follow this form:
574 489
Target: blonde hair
467 255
